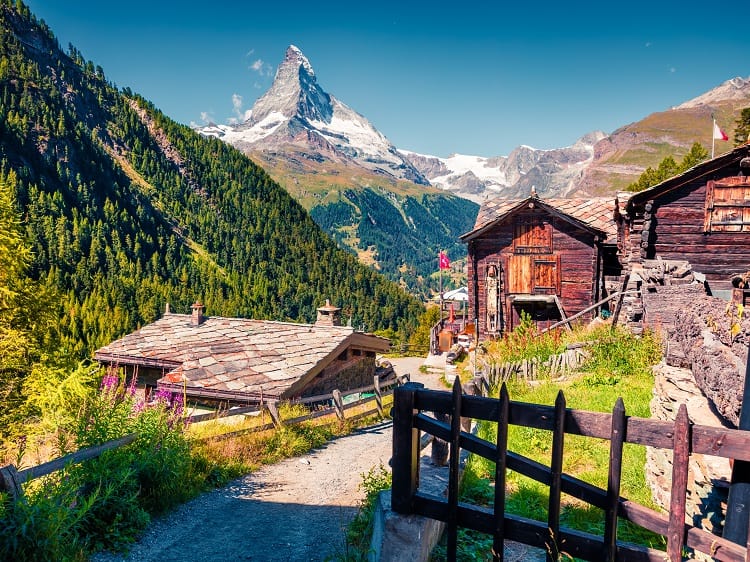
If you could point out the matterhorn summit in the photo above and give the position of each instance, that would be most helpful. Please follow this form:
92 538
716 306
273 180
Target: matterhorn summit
296 115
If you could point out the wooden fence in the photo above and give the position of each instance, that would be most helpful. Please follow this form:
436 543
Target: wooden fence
409 419
12 479
530 369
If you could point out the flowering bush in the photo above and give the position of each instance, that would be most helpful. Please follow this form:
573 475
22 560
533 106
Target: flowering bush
105 502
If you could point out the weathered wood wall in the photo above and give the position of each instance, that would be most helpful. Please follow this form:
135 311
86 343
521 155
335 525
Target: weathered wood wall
675 230
575 248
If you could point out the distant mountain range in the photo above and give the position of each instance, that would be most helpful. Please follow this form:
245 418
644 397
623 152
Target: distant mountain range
314 145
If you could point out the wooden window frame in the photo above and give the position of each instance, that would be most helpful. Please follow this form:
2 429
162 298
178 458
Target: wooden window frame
716 209
519 248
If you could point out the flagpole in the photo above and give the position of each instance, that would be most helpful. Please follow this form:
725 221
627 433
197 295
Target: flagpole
440 270
713 136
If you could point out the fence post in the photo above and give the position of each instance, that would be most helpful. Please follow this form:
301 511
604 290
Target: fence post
453 463
9 482
378 395
555 486
680 460
501 450
274 411
338 403
405 448
617 438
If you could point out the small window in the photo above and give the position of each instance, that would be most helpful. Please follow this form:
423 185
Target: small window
728 206
532 236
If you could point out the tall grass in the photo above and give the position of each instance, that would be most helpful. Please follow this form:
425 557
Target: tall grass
619 365
104 503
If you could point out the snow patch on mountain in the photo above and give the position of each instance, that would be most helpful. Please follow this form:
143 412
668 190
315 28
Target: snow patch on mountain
296 114
550 172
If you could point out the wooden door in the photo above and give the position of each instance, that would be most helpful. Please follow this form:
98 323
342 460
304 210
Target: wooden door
547 275
533 274
519 274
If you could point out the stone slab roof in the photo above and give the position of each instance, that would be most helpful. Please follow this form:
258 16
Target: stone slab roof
595 212
236 354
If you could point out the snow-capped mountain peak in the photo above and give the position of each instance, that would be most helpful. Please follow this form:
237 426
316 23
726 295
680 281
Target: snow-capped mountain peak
297 113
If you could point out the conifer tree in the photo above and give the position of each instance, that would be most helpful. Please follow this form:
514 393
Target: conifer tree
742 128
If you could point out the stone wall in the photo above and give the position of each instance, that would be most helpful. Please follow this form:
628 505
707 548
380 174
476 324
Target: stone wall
708 477
705 349
355 372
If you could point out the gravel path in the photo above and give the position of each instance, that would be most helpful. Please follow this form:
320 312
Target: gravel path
294 510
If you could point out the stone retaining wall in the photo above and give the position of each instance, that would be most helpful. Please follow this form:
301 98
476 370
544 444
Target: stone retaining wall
708 478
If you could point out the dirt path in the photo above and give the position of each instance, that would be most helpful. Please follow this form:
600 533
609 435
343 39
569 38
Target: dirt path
297 509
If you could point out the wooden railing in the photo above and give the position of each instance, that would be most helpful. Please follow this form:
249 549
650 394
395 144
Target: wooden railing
411 401
12 479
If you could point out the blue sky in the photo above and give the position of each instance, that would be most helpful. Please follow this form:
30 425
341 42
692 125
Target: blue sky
434 77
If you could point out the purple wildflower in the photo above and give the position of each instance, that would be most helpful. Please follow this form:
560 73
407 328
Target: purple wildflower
132 386
109 384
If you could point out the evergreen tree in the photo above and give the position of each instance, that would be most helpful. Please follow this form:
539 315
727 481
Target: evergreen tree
742 128
668 168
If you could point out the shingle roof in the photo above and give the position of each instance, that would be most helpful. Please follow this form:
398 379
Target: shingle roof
594 212
235 354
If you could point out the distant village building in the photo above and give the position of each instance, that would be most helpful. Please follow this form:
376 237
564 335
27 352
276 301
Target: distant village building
237 360
544 257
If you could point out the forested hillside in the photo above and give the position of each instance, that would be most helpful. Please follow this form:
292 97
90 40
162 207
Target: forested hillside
126 210
404 233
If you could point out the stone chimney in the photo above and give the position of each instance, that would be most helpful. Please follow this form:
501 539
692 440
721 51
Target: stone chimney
197 318
328 315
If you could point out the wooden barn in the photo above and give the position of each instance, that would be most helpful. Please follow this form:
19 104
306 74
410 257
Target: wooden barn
545 257
701 216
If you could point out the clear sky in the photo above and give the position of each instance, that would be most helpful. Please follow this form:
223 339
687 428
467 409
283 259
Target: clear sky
434 77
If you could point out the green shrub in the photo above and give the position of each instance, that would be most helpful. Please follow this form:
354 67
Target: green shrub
105 502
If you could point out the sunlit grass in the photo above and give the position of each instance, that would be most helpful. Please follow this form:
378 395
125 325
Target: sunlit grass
619 365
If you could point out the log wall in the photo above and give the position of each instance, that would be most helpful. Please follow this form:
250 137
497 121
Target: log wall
671 226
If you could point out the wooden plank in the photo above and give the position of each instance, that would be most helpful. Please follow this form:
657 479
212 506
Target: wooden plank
501 449
453 474
77 457
617 439
555 485
680 460
405 458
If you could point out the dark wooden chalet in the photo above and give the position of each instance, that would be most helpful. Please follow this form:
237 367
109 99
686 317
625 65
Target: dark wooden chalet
244 361
546 257
701 216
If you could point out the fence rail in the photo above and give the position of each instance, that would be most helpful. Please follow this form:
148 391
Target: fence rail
11 479
411 400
